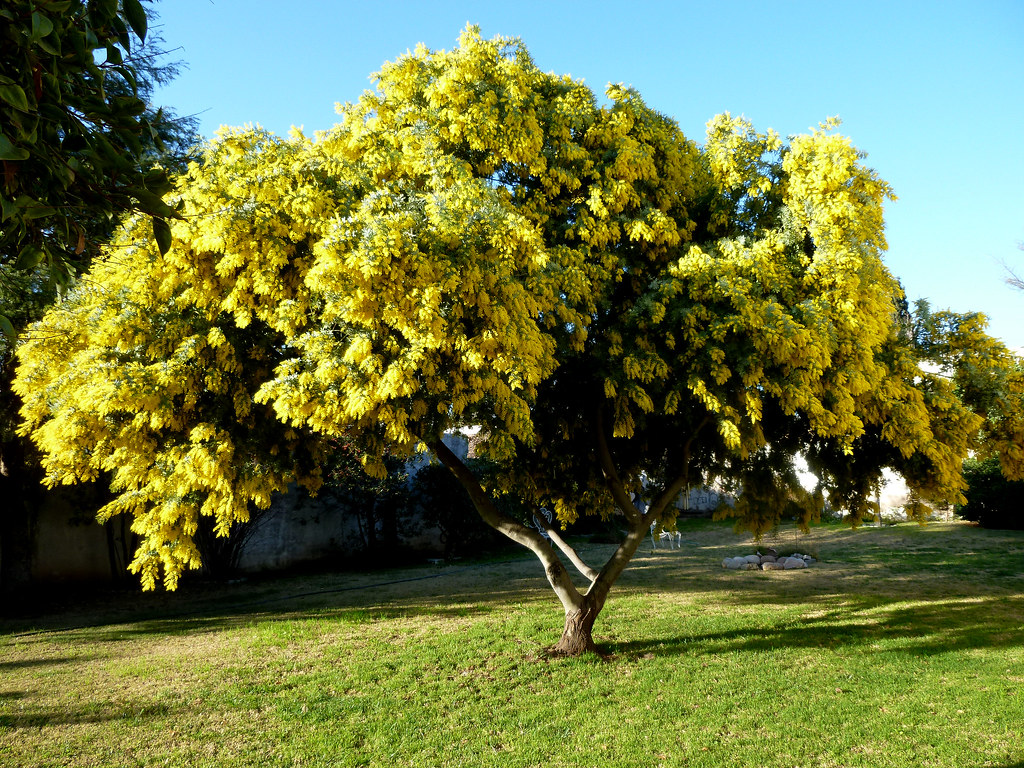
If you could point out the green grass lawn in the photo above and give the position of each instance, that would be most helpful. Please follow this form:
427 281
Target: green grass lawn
903 646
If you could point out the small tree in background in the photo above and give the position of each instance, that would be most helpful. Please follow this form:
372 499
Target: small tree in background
443 503
380 503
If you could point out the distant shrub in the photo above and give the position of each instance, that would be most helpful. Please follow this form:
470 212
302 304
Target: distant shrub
992 500
380 506
221 555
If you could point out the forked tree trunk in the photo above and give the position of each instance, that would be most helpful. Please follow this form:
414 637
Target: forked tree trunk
581 607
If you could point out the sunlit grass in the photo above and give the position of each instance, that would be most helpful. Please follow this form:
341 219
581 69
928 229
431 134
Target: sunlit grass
903 646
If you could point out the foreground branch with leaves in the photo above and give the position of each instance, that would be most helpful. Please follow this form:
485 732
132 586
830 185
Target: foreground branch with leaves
74 126
621 312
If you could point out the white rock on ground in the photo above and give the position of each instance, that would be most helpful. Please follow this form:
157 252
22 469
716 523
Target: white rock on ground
767 562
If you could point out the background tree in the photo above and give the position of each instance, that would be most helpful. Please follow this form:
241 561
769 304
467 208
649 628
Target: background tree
991 499
379 504
986 376
990 377
80 141
1013 278
443 503
620 311
74 128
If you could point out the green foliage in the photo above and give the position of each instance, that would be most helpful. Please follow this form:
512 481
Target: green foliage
79 143
992 500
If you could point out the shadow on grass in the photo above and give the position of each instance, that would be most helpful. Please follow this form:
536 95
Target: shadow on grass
886 626
836 620
190 625
864 598
41 717
10 666
364 597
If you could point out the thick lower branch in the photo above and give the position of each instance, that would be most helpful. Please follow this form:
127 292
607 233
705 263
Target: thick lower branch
617 563
640 522
557 576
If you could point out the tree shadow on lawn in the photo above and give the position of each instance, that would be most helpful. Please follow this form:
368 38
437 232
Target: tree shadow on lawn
832 620
886 625
343 604
929 573
41 717
190 625
856 603
11 666
352 597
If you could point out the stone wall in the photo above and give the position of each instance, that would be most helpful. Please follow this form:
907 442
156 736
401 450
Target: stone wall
70 545
698 501
298 528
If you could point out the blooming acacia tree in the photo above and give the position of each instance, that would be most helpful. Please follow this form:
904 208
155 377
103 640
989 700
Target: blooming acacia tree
620 311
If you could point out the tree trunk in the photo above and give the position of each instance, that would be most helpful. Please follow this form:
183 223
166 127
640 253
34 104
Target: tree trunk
581 609
577 637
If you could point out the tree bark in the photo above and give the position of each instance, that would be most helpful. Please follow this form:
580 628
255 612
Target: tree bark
558 577
581 609
577 636
568 551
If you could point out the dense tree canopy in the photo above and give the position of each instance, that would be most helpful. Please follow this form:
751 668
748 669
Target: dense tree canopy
621 311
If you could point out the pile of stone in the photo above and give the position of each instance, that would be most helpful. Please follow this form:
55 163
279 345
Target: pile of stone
769 562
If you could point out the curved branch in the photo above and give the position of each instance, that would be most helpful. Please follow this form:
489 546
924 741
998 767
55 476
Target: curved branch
641 524
617 563
569 552
557 576
611 475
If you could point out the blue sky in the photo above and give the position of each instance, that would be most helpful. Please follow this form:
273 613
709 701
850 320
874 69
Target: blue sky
932 91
